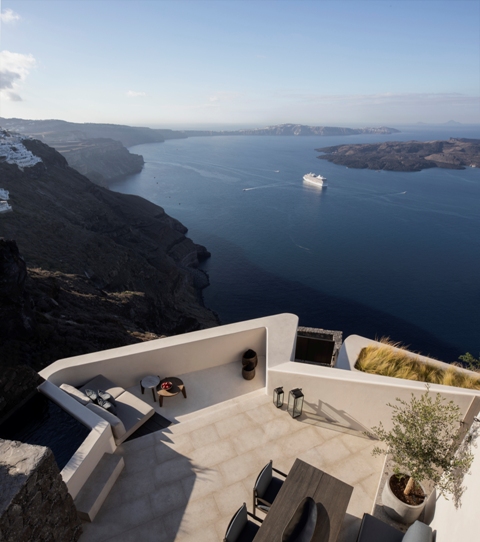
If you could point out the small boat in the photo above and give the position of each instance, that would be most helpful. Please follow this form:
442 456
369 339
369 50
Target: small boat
277 171
317 180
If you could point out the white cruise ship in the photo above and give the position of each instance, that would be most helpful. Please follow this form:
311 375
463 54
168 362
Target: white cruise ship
317 180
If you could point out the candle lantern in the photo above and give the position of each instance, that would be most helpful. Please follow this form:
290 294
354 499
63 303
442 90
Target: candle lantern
295 402
278 397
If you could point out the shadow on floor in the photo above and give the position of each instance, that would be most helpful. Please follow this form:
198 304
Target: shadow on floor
325 415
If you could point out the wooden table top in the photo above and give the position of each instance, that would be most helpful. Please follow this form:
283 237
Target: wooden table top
331 495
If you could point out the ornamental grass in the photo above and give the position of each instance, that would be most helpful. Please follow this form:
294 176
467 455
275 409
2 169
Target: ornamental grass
385 361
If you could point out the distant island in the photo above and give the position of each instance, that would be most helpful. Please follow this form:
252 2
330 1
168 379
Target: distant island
406 156
296 130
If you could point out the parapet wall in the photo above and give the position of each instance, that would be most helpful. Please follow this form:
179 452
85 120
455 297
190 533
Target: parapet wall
34 501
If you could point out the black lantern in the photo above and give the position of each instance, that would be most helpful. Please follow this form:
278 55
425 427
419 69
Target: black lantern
278 397
295 402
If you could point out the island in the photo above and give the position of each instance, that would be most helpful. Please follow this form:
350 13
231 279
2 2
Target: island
296 130
456 153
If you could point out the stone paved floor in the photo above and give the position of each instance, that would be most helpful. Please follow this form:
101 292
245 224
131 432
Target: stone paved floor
184 483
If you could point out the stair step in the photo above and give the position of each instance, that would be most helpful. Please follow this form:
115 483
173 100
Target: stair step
96 489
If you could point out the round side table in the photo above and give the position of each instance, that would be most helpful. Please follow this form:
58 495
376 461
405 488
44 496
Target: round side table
177 387
150 382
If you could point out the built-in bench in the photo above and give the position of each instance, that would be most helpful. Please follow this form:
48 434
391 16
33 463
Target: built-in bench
96 489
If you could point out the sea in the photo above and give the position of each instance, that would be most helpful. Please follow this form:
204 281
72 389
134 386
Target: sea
376 253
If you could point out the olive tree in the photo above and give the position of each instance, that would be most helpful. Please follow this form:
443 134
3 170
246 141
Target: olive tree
424 440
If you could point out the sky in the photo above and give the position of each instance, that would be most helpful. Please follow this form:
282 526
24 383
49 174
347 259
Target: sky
239 63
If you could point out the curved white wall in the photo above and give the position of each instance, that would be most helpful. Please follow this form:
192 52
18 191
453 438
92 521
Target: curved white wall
460 524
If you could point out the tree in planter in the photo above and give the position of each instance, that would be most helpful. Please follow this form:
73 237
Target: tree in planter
423 442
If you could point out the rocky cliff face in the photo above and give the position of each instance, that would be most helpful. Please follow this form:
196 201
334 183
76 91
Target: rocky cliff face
105 269
101 160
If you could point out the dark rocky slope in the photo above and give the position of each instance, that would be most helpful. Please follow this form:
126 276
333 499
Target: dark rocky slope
101 160
406 156
104 269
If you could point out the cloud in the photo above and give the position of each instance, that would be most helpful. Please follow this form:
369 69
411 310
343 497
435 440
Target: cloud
8 16
13 71
134 94
223 97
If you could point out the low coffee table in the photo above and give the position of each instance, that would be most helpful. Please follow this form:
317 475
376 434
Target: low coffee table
150 382
177 387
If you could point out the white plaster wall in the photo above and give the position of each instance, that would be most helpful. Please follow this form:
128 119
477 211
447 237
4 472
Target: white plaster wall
98 442
460 524
353 400
273 337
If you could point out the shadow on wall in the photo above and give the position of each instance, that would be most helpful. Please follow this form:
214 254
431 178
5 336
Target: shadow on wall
325 415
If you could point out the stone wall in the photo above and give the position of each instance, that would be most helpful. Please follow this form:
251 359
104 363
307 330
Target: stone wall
16 384
34 501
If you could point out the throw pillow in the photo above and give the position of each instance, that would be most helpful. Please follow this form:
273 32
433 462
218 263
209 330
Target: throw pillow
76 394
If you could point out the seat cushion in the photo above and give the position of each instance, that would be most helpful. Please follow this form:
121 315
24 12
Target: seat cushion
132 411
118 428
76 394
418 532
100 382
249 532
272 489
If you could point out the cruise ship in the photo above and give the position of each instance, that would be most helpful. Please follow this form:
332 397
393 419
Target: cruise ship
317 180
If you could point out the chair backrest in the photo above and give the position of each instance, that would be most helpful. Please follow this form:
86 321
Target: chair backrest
263 479
236 525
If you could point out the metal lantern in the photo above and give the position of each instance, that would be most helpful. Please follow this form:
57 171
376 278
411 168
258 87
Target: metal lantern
278 397
295 402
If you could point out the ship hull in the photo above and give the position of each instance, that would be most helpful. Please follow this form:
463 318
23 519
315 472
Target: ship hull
319 181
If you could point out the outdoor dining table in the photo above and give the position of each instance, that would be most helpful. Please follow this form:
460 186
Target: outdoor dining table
329 493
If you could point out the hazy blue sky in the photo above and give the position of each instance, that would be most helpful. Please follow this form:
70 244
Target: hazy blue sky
245 62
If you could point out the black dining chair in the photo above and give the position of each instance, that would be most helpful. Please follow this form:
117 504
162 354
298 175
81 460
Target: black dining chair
266 488
240 528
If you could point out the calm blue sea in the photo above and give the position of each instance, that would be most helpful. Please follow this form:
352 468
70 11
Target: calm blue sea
375 253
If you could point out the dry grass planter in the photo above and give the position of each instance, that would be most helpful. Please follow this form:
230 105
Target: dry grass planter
389 361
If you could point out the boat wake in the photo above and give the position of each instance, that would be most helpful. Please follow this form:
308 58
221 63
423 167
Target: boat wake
259 187
297 245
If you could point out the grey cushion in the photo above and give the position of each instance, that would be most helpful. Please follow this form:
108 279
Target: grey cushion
76 394
107 405
264 479
100 382
132 411
418 532
239 521
118 428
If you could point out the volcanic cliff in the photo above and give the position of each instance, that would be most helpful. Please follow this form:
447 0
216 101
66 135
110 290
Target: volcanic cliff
89 269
